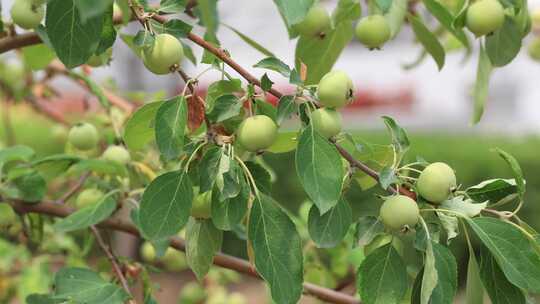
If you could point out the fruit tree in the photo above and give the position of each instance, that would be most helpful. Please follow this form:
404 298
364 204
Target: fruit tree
187 173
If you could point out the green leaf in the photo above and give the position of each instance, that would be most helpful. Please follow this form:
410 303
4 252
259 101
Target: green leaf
347 10
101 166
319 168
274 64
474 291
89 9
220 88
387 177
428 39
139 129
293 12
504 44
285 142
38 56
15 153
481 87
108 32
262 177
286 107
165 205
464 206
450 224
208 15
396 15
499 290
73 41
446 266
254 44
175 27
266 83
320 55
55 165
400 140
172 6
226 106
228 213
203 241
170 129
269 230
85 286
31 186
430 276
265 108
328 230
512 251
382 277
439 11
367 228
43 299
516 170
87 216
492 190
208 168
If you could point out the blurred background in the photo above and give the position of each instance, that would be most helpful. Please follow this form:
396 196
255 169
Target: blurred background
435 107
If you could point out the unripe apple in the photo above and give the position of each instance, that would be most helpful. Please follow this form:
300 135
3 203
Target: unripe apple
59 133
316 22
399 211
373 31
101 59
192 293
83 136
117 154
257 133
485 17
148 253
7 215
166 52
174 260
88 197
436 182
26 14
534 49
327 122
335 89
202 205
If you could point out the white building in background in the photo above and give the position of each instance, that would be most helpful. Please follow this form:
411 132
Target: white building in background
440 100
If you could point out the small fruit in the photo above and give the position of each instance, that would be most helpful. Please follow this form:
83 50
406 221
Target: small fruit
399 211
316 22
373 31
534 49
335 89
59 133
148 253
26 14
192 293
174 260
166 52
101 59
88 197
83 136
327 122
202 205
257 133
436 182
485 17
117 154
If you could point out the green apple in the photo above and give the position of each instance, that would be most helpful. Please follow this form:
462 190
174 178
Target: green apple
83 136
148 253
26 14
202 205
166 52
174 260
117 154
101 59
316 22
485 17
534 49
335 89
88 197
399 211
257 133
327 122
436 182
192 293
373 31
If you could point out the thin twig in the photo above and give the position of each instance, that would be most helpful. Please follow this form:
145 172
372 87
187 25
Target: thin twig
114 262
74 189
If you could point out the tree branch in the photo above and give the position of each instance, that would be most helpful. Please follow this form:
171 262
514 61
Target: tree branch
222 260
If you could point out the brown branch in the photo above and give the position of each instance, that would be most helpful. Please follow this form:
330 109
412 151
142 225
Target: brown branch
74 189
222 260
114 262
